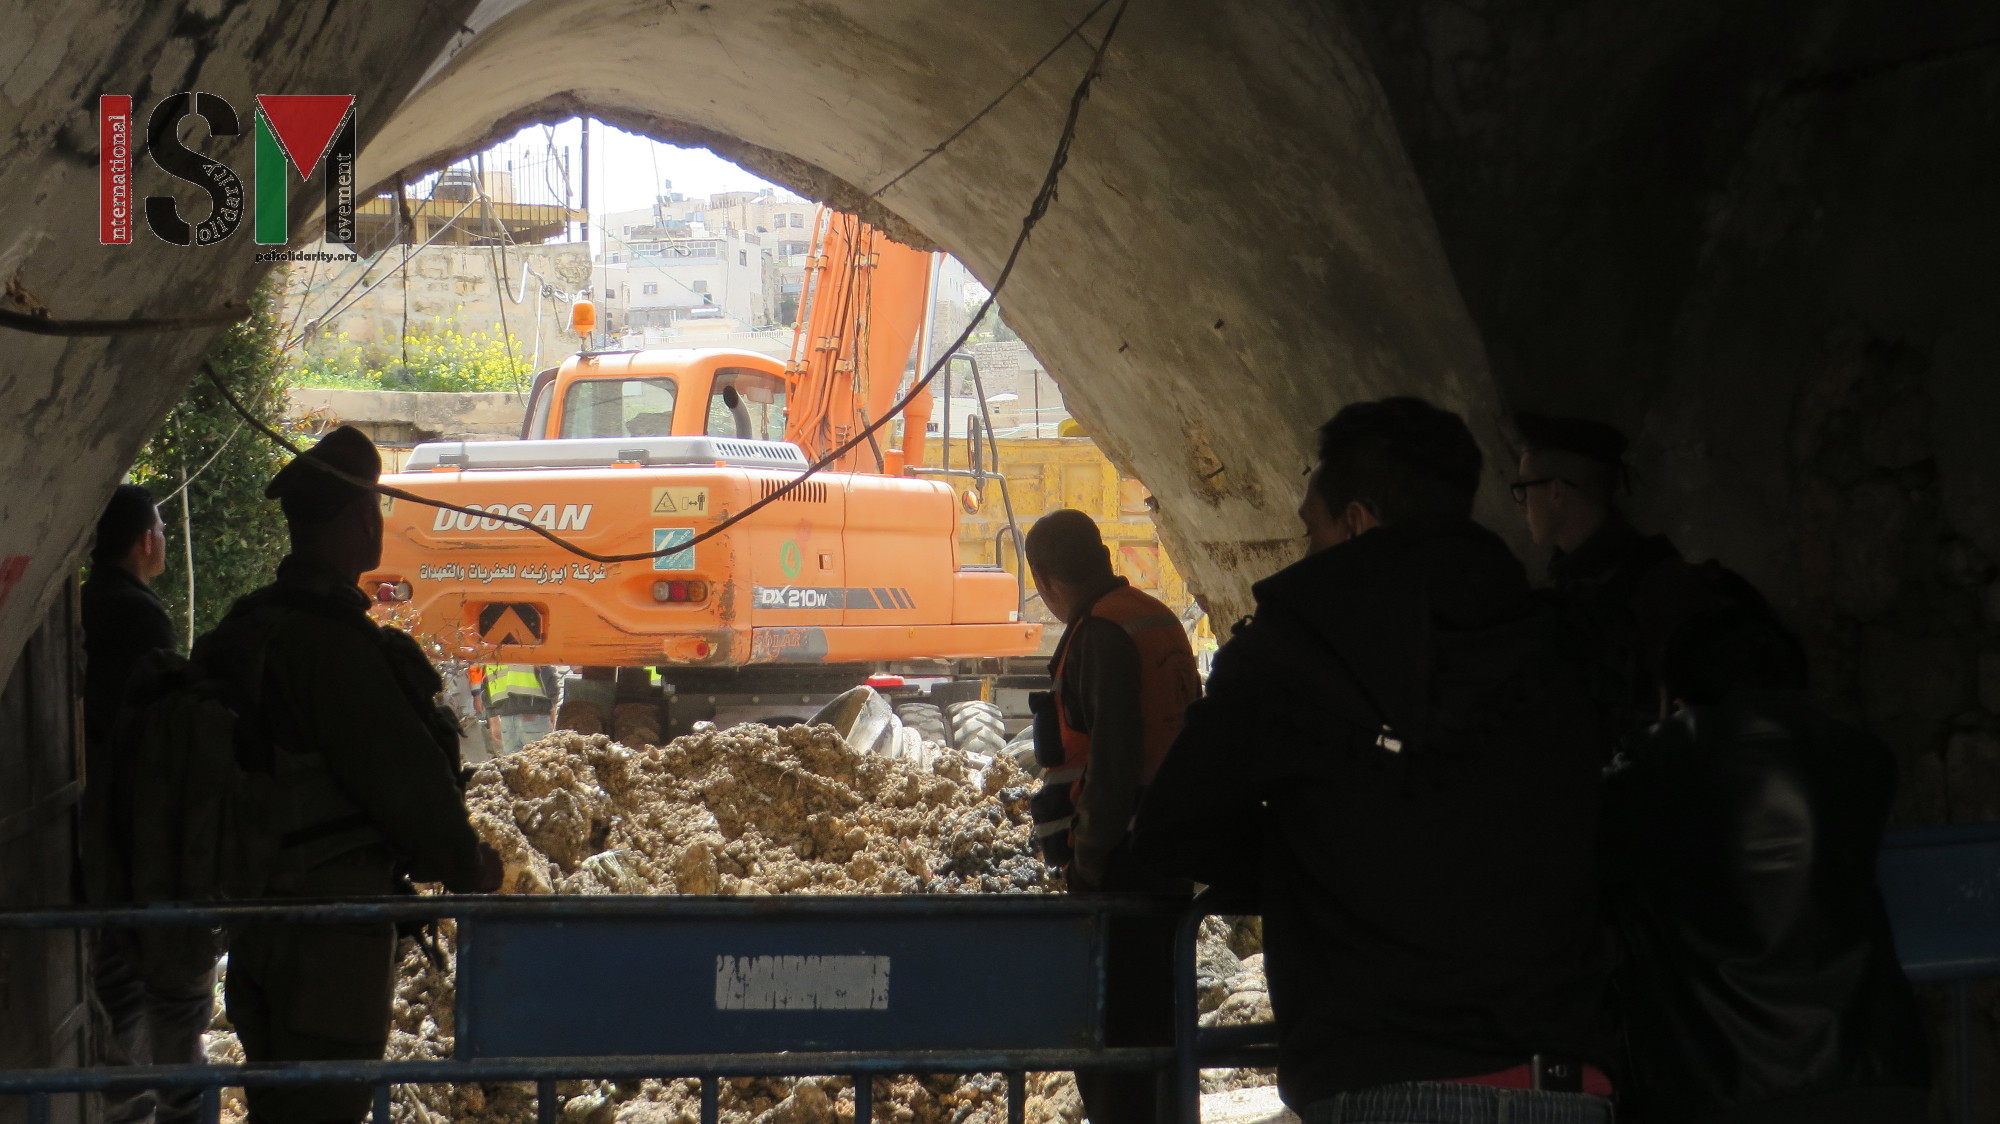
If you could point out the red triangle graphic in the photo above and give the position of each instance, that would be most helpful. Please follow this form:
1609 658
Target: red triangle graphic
305 123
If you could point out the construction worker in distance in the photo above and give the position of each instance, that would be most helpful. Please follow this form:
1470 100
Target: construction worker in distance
1123 674
153 1017
326 680
521 699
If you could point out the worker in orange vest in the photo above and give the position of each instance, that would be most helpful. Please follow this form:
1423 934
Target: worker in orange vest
1123 674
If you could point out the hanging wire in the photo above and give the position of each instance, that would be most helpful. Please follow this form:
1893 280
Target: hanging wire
1074 31
1037 209
162 501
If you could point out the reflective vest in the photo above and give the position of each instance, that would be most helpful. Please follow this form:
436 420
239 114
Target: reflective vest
1168 683
519 681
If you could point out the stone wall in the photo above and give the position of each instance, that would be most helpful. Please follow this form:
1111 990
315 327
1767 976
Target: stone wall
401 418
374 301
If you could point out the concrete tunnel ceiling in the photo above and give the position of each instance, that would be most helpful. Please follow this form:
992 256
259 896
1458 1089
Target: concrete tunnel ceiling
1213 279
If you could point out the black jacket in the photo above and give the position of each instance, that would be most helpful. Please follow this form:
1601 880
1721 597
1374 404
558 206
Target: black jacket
1429 890
1636 591
359 695
1759 967
123 621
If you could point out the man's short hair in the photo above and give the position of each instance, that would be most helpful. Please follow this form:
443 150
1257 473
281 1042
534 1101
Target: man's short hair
1400 457
1588 454
126 519
1065 545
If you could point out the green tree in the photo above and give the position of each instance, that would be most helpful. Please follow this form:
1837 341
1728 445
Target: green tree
220 520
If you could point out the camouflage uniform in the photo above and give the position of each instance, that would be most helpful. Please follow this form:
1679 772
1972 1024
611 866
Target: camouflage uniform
360 696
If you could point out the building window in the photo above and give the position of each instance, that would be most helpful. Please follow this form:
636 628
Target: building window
798 220
742 257
700 286
649 288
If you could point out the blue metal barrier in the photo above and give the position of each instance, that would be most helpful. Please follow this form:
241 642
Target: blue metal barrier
1942 887
707 988
872 986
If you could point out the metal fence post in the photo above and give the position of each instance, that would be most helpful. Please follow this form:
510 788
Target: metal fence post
545 1101
382 1093
1187 1018
1961 1051
211 1105
864 1098
711 1105
1017 1097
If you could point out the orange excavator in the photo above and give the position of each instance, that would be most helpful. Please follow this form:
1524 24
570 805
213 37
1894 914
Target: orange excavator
847 576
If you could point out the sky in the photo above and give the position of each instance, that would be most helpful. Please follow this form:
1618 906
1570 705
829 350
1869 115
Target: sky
627 169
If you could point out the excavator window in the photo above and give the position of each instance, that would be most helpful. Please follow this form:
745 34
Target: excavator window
619 408
744 403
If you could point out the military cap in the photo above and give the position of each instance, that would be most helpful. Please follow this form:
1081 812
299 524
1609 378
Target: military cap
308 489
1582 436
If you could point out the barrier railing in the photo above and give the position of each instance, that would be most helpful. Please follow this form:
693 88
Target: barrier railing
861 987
706 988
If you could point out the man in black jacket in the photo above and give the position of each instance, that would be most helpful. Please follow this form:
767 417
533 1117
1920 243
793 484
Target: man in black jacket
1760 983
150 1017
1634 588
1397 755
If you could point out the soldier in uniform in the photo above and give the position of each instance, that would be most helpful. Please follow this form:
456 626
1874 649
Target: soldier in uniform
325 683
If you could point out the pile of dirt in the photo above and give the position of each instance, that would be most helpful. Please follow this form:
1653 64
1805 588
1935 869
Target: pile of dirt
750 810
1229 980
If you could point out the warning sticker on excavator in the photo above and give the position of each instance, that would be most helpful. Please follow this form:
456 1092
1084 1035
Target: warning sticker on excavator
680 501
510 622
664 537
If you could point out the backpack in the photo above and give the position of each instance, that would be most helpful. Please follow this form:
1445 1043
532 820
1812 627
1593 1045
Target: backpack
219 812
203 818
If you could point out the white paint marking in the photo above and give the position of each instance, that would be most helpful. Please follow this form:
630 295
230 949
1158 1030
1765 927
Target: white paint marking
801 983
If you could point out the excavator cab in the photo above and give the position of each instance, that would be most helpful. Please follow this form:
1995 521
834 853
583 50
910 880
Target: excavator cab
711 393
747 404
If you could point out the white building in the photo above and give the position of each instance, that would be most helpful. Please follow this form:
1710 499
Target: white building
775 226
666 278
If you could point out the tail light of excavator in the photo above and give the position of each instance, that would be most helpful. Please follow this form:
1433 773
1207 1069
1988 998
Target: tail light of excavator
676 592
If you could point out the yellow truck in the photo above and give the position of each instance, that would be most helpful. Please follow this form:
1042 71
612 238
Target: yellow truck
1046 473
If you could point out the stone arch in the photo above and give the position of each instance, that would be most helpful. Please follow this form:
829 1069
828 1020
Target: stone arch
1239 246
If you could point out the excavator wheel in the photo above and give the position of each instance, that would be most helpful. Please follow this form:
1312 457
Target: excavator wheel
976 727
1022 751
926 719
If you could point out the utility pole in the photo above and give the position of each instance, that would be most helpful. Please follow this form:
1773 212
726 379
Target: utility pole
583 195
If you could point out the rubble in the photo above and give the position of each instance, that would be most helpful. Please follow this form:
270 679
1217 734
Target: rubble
747 811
